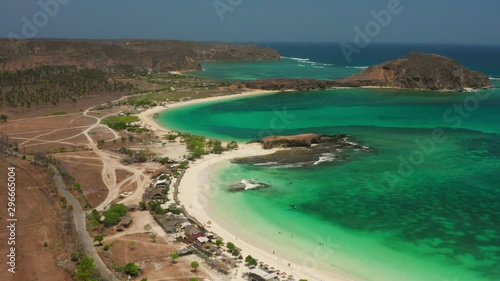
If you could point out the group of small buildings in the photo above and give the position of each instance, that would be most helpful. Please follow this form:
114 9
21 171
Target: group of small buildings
155 190
199 239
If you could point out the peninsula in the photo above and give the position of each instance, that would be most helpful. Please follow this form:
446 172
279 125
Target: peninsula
125 55
416 71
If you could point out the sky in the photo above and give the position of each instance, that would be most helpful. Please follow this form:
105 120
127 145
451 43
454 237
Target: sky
417 21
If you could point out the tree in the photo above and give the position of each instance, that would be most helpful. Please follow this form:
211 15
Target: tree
155 208
217 147
174 256
250 260
131 269
219 243
171 137
194 279
153 237
144 279
86 270
230 246
123 139
147 227
164 160
232 145
77 186
4 117
99 239
195 265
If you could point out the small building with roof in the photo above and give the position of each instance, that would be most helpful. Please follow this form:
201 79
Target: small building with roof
257 274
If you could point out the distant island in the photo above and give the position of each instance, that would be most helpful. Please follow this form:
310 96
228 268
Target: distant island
416 71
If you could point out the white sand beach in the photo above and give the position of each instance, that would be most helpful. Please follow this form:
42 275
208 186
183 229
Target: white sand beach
195 185
146 116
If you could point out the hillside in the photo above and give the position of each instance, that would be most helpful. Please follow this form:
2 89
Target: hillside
419 71
128 55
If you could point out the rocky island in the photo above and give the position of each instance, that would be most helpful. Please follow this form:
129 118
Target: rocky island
303 140
416 71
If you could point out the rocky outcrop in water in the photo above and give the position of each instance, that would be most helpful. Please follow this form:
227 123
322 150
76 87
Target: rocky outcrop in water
303 140
124 55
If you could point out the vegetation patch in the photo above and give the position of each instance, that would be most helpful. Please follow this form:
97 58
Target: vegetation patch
59 113
119 123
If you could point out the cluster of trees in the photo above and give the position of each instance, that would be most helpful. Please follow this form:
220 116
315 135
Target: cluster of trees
112 215
195 144
86 270
156 209
199 145
232 249
131 269
49 85
250 260
136 156
119 123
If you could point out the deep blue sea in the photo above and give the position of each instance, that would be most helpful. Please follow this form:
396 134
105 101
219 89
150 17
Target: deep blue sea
484 58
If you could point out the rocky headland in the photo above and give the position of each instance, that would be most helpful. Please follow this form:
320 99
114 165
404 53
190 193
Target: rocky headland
305 150
125 55
416 71
419 71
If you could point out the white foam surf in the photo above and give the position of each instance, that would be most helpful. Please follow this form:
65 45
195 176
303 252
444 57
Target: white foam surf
357 67
325 157
250 184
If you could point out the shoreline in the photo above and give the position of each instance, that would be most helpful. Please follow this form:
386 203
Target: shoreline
193 191
194 186
147 116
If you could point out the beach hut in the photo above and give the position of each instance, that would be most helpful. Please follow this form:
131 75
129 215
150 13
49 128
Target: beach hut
257 274
202 239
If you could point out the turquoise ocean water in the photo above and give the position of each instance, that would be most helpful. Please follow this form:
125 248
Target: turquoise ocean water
408 210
